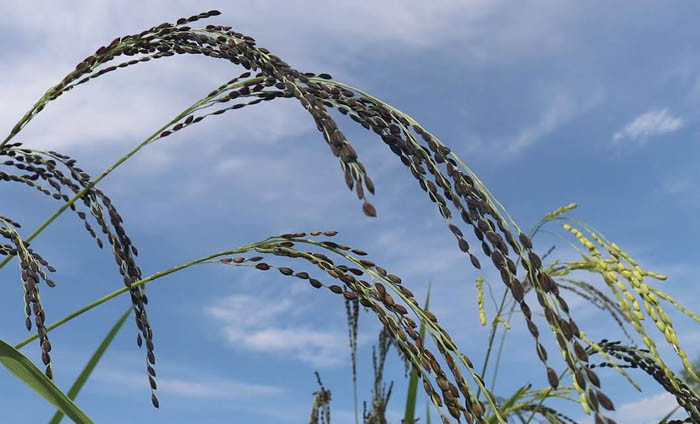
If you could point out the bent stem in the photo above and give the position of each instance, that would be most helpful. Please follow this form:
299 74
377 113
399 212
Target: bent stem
548 217
494 327
92 363
123 159
492 335
124 289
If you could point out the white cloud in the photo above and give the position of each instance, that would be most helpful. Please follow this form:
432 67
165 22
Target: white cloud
676 185
254 324
654 122
247 311
558 111
415 256
560 107
52 38
201 387
645 410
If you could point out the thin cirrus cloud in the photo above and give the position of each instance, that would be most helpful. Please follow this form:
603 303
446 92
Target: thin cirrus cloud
256 325
560 106
559 110
66 37
647 409
648 124
540 60
85 120
200 387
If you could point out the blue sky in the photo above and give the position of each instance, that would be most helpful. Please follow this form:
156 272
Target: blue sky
548 102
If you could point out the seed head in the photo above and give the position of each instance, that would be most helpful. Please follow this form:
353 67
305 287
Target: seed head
592 377
605 402
553 378
368 209
525 241
285 270
394 279
475 261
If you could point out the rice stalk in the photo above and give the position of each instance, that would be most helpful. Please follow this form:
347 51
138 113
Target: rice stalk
457 192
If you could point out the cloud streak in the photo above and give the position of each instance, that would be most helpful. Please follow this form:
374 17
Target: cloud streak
652 123
203 387
254 324
648 409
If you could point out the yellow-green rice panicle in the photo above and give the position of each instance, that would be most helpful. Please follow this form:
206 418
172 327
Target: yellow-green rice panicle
633 315
665 296
663 322
499 318
629 304
480 299
561 210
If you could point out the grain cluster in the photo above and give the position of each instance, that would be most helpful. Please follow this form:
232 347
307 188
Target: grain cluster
461 199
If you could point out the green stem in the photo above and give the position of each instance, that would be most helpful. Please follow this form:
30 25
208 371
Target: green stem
500 350
148 140
492 335
27 116
673 411
136 284
544 396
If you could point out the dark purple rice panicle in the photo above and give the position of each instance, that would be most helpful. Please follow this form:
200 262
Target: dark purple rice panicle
598 299
549 414
33 270
422 154
640 358
389 311
380 394
36 165
219 42
322 400
391 126
352 308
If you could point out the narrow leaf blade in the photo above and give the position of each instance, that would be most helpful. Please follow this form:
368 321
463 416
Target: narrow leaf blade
410 411
25 370
92 363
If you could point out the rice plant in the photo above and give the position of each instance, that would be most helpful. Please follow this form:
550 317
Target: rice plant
458 394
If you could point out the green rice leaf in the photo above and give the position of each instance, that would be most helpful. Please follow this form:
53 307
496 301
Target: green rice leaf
25 370
508 404
410 410
92 363
427 413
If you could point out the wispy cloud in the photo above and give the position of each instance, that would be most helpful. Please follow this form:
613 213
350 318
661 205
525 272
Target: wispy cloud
645 410
560 110
412 256
255 324
560 106
654 122
200 387
52 42
676 185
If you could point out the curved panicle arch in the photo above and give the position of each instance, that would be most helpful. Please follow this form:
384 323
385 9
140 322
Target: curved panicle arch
460 196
